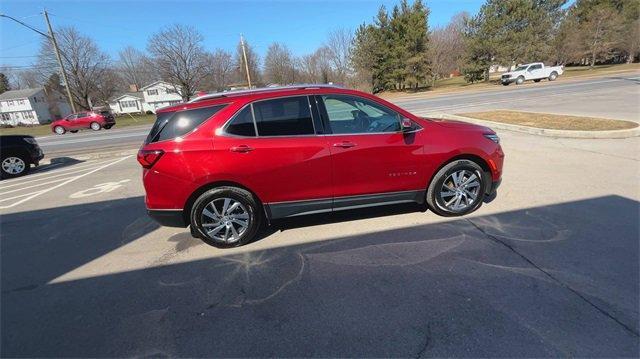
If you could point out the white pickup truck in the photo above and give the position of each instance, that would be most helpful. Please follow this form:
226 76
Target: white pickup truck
535 71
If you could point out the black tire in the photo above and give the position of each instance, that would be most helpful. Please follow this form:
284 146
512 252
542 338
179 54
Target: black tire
108 127
27 165
59 130
537 80
246 199
73 131
520 80
553 76
434 198
95 126
505 84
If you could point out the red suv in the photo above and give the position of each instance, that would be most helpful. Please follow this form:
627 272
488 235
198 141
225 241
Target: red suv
225 163
83 120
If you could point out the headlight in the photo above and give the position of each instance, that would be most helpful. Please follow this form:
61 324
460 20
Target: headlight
493 137
30 140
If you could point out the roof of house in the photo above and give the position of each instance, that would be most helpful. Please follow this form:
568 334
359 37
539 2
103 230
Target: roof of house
155 83
15 94
137 95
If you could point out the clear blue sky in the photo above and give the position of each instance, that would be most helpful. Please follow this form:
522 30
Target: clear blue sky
302 25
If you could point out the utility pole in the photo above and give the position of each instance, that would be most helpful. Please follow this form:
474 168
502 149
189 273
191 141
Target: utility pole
246 64
52 37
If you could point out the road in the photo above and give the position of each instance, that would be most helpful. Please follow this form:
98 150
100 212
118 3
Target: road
608 97
550 268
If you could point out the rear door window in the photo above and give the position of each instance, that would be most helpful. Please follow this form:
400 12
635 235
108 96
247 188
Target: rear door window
242 124
289 116
170 125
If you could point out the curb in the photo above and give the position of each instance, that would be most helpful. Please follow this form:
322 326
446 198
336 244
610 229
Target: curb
610 134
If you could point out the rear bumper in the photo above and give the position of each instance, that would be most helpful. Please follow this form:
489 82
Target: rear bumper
168 218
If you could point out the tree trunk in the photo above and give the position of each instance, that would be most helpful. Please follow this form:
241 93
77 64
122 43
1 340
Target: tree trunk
593 59
486 74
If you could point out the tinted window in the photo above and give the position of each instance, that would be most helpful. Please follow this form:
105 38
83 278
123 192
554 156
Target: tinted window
82 115
350 114
242 124
170 125
283 117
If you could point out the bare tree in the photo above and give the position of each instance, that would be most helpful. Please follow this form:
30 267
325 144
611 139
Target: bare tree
178 53
339 44
85 64
28 79
109 85
220 68
316 67
279 66
134 69
447 48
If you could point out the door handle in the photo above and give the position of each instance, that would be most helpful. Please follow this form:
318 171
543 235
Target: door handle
344 144
241 149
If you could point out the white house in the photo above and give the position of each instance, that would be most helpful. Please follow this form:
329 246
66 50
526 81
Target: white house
160 94
31 107
131 102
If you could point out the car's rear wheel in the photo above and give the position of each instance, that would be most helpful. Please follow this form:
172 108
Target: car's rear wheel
457 189
59 130
225 217
95 126
13 165
520 80
553 76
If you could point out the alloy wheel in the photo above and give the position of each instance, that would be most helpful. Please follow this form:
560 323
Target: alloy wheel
225 220
13 165
460 190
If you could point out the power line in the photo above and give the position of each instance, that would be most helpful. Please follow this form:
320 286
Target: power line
17 57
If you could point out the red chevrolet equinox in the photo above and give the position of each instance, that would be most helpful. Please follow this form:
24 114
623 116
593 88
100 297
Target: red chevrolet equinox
225 163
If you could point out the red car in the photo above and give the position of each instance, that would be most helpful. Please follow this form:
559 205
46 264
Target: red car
225 163
83 120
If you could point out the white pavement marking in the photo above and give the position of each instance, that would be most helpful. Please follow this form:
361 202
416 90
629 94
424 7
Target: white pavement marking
99 188
45 173
38 193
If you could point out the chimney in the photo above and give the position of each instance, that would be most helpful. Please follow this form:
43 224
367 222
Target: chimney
133 88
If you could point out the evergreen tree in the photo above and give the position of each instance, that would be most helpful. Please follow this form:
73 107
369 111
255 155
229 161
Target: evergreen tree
4 83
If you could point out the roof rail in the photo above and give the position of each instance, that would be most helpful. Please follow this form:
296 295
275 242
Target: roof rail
262 89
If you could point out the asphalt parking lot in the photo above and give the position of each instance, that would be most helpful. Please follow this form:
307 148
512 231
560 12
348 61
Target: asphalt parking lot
550 268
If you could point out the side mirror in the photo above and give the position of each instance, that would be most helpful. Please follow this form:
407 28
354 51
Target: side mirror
407 125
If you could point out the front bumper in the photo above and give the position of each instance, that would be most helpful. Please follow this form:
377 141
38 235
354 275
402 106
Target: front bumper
168 218
492 193
508 80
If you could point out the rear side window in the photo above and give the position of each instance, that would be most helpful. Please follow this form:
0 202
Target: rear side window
283 117
170 125
242 124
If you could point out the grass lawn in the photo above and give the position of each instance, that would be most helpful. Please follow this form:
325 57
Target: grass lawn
44 130
458 83
549 121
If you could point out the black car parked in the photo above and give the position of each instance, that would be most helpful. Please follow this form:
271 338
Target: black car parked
18 153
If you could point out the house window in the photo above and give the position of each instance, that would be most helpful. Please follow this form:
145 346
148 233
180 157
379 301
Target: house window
6 117
28 115
20 102
152 92
171 91
10 103
126 104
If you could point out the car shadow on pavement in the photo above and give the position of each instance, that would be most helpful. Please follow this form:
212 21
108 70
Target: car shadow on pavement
554 280
57 163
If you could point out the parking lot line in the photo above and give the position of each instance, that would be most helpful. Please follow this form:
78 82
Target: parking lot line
33 195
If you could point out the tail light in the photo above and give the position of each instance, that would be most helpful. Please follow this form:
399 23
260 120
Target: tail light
148 158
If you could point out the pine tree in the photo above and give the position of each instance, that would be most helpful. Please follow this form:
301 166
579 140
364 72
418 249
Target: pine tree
4 83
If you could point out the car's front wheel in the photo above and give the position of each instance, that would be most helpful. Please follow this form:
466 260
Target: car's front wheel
457 189
225 217
13 165
520 80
